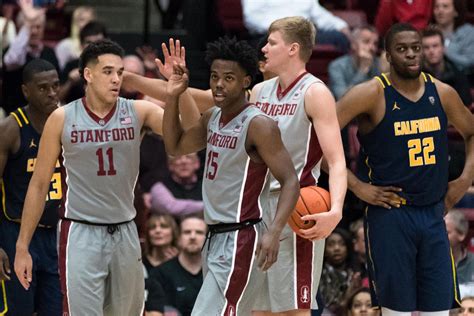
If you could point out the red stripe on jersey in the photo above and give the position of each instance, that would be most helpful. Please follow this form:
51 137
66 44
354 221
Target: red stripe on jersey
256 175
96 118
281 94
313 156
62 256
304 277
240 274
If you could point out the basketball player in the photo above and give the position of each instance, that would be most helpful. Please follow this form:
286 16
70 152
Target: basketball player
305 111
19 140
242 144
403 116
98 136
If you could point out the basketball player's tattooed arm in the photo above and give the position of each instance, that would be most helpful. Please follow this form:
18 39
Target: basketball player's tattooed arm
263 137
321 108
48 153
463 120
179 141
362 102
9 144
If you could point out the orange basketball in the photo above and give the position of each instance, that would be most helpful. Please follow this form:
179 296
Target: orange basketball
312 200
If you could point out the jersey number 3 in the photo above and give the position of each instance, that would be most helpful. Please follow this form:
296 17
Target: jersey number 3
420 151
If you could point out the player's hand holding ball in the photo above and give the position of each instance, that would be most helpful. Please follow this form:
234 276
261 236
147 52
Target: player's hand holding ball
311 218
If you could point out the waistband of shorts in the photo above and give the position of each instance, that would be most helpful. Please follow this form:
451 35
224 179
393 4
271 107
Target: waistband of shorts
80 221
229 227
18 221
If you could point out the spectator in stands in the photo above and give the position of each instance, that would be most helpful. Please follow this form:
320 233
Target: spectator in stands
72 85
360 65
27 45
358 303
181 277
338 277
70 48
161 240
331 29
449 17
457 227
7 35
467 306
134 64
360 257
181 192
437 64
414 12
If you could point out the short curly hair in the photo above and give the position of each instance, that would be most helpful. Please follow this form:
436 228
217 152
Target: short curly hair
96 49
241 52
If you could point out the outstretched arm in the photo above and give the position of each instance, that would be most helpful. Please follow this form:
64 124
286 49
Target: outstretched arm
463 121
48 153
264 136
177 140
321 108
156 88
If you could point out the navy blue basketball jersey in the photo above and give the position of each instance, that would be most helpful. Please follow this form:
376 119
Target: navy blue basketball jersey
409 147
18 171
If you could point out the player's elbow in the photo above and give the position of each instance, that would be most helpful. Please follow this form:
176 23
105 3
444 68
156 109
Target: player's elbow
290 181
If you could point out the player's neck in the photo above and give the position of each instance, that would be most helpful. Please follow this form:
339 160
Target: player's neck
404 84
37 118
231 110
97 105
288 76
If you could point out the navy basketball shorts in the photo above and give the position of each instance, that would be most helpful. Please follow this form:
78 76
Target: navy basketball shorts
409 258
44 296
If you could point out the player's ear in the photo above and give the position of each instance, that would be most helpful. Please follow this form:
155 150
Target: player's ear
294 48
247 81
87 74
26 91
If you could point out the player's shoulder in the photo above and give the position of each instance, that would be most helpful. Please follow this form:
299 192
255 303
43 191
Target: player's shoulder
262 123
369 88
259 86
441 87
10 130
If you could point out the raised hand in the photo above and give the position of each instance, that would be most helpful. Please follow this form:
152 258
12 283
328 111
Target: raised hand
176 54
29 11
178 81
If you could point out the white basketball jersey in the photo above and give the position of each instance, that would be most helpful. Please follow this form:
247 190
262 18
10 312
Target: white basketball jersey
297 131
233 185
101 158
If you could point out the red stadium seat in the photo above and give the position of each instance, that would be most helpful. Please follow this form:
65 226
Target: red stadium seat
230 16
355 18
320 59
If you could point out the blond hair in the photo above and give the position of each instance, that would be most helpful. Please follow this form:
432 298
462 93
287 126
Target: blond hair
296 29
